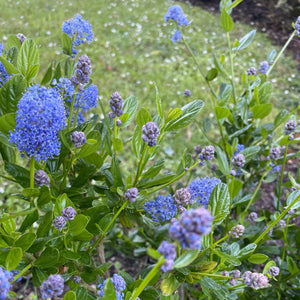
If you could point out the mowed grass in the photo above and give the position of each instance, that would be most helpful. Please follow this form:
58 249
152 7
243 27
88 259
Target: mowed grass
132 48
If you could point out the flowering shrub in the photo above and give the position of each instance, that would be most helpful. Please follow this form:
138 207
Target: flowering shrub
85 207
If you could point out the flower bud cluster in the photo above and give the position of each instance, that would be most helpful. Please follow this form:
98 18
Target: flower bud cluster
150 133
238 160
264 66
22 38
275 153
274 271
83 70
190 228
252 217
255 280
182 197
41 178
53 286
131 194
78 138
237 231
68 214
251 71
168 250
206 154
116 105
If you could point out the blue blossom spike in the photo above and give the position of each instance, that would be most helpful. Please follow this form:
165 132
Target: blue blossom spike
119 284
40 117
264 66
53 286
4 76
168 250
4 283
161 209
201 188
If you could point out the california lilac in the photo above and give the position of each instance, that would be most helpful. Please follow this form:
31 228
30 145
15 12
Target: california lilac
225 273
111 115
118 122
161 209
198 149
255 280
4 76
190 228
251 71
207 153
4 283
290 127
187 93
239 148
175 13
201 188
80 117
86 99
116 104
131 194
59 223
83 70
291 137
264 66
237 231
40 117
78 138
77 279
233 172
252 217
233 282
41 178
69 213
274 271
53 286
182 197
21 37
275 168
177 36
297 26
282 224
64 86
238 160
79 30
236 274
275 153
150 133
168 250
119 284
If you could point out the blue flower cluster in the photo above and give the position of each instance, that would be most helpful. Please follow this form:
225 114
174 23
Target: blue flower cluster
161 209
4 283
4 76
264 66
190 228
40 116
80 118
239 148
119 284
175 13
206 154
201 188
64 86
168 250
238 160
53 286
79 30
87 99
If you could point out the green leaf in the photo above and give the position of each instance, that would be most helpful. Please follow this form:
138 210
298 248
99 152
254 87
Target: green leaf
84 236
245 41
250 152
158 102
10 94
116 172
130 106
268 266
61 202
173 114
281 117
48 75
226 21
48 258
77 225
265 92
229 258
169 285
189 113
13 41
29 220
25 240
13 258
88 149
292 198
292 266
45 224
186 259
20 174
7 123
10 68
70 295
155 169
153 253
222 112
258 258
222 161
234 187
246 251
66 44
109 291
137 141
235 3
212 74
28 59
260 111
219 201
118 144
143 117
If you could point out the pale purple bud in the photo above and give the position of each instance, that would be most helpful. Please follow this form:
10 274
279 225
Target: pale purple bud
59 223
41 178
78 138
274 271
131 194
182 197
237 231
69 213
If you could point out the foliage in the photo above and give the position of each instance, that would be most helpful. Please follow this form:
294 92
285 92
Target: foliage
87 203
